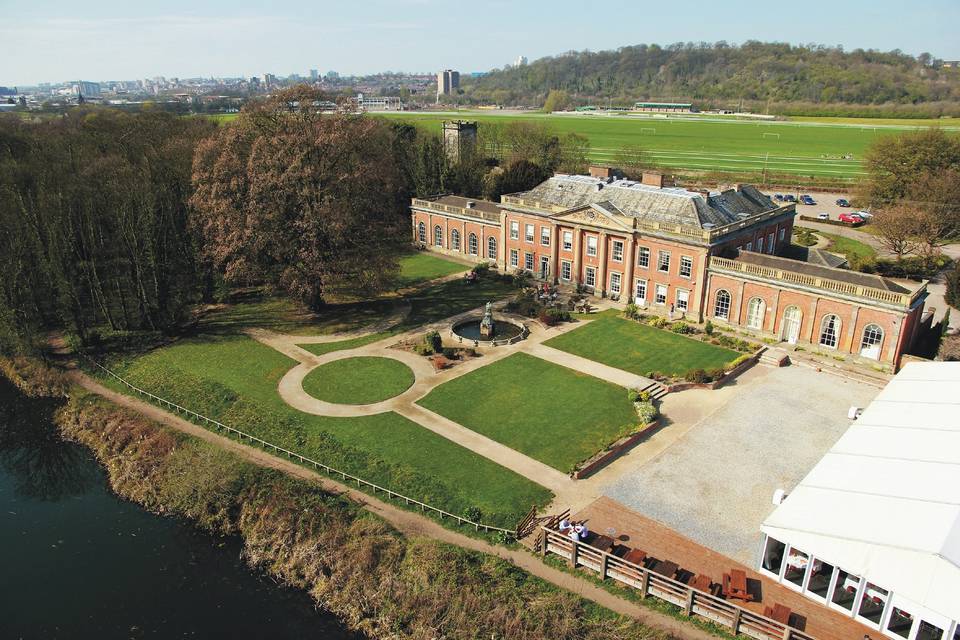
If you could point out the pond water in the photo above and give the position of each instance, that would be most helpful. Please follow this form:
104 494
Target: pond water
76 561
502 330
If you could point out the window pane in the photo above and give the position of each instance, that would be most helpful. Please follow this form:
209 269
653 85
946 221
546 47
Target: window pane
492 248
819 581
872 603
661 294
773 555
643 257
567 240
900 623
829 329
721 308
683 299
797 562
929 631
845 590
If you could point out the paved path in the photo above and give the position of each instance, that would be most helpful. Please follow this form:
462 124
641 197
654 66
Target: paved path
584 365
407 522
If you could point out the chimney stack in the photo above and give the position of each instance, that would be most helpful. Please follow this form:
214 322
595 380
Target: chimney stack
652 179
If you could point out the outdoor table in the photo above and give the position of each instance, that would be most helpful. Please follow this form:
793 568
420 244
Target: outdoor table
636 556
735 585
702 583
666 568
602 542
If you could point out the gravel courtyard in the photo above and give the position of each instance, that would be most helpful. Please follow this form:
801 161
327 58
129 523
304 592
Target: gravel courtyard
715 483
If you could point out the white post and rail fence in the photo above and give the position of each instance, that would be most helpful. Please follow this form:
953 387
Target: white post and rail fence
331 471
738 620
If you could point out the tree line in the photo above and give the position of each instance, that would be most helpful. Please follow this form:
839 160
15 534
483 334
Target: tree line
116 221
771 77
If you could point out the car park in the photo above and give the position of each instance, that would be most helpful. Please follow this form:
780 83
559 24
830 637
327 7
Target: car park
778 197
843 202
823 215
805 199
789 198
850 218
863 213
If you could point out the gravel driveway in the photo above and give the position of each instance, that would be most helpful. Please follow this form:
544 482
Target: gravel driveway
714 484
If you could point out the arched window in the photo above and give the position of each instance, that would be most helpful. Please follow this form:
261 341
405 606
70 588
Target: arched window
438 236
492 248
872 341
455 240
756 309
422 232
721 307
829 331
472 244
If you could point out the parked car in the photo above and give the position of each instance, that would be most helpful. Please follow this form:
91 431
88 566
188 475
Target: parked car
863 213
823 215
778 197
789 198
805 199
843 202
850 218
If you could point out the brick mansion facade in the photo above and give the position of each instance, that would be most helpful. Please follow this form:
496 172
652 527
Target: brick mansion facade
722 256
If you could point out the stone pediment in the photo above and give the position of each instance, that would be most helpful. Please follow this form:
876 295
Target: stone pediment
594 216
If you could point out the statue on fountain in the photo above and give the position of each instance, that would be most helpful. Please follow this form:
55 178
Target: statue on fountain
486 325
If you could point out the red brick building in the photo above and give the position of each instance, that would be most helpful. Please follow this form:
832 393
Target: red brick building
702 255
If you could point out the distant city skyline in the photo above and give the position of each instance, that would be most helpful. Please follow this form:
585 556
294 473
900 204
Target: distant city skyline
58 41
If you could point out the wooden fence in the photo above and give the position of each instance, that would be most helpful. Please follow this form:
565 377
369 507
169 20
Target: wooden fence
241 435
691 601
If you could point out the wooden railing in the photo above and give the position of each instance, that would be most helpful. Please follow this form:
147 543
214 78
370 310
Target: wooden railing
241 435
827 284
431 205
691 601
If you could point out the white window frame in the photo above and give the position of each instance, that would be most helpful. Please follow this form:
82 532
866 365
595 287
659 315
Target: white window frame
529 231
660 291
837 331
682 295
568 240
592 245
749 246
771 243
760 310
528 261
783 233
760 244
545 236
422 232
686 264
643 257
638 285
590 276
616 282
716 304
663 266
492 248
514 258
438 236
455 239
617 251
514 230
878 342
473 245
566 270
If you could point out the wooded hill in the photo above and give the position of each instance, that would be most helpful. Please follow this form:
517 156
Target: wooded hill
765 76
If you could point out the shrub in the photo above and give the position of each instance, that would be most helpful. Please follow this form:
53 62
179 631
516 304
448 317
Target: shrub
481 269
450 352
520 278
423 349
471 352
682 328
738 361
953 287
716 373
657 322
434 340
915 267
632 311
559 315
696 375
708 328
546 318
647 412
638 396
473 513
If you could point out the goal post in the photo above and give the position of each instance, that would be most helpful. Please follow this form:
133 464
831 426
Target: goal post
772 135
651 130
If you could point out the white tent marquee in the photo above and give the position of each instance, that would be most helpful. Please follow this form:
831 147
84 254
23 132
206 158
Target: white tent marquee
884 504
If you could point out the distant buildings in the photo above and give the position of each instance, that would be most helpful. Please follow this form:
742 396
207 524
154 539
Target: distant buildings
521 61
86 90
314 74
448 81
458 137
377 103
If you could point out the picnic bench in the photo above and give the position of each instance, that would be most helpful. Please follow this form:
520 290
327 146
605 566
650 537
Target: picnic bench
735 585
635 556
703 583
778 612
665 568
601 542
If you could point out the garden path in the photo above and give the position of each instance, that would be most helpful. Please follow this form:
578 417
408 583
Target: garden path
584 365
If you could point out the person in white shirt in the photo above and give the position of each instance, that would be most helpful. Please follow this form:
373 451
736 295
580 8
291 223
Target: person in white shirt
564 524
583 531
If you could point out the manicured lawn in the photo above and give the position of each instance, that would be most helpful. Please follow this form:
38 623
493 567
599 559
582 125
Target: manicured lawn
553 414
423 265
855 251
361 380
234 379
640 349
320 348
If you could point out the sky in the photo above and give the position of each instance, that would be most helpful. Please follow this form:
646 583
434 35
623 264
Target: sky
61 40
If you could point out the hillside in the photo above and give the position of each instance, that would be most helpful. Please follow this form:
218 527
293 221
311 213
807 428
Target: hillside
774 77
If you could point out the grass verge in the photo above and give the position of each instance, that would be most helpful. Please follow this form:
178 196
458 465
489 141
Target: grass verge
361 380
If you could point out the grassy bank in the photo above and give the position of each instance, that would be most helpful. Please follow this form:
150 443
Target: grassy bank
352 563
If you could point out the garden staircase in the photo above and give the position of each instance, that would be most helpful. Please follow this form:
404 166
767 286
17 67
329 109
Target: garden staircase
655 389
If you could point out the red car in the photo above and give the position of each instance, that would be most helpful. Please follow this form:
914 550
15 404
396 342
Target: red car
850 218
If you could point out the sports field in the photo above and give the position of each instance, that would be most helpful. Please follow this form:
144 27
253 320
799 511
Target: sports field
808 148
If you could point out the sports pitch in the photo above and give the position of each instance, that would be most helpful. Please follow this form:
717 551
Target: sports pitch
796 148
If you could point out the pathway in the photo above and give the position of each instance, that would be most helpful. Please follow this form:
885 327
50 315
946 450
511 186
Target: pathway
584 365
407 522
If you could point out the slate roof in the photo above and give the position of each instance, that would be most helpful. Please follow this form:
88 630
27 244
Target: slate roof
671 205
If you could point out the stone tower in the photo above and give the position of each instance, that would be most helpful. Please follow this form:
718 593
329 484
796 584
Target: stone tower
459 137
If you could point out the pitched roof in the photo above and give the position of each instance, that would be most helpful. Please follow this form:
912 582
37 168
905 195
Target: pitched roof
672 205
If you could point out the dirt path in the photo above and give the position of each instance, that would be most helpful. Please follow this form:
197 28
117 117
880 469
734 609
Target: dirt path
407 522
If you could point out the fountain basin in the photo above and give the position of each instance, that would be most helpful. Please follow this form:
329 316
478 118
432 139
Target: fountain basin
505 332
